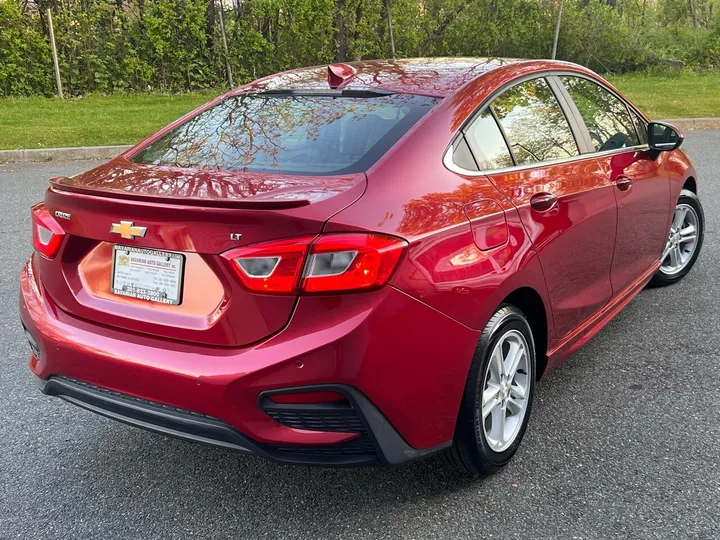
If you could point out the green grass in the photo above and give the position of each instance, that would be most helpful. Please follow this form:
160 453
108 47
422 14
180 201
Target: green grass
37 122
689 95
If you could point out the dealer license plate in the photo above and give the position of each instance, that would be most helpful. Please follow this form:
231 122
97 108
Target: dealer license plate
148 274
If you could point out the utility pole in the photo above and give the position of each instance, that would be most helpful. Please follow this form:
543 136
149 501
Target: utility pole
390 26
56 65
557 30
225 47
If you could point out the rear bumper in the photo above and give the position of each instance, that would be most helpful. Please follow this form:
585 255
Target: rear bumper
367 449
401 365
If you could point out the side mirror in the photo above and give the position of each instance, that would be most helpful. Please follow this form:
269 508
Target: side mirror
664 137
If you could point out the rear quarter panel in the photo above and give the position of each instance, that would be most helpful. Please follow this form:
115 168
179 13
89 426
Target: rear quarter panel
412 195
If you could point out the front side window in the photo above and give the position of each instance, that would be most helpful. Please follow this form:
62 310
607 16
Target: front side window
487 143
534 123
605 115
289 133
641 126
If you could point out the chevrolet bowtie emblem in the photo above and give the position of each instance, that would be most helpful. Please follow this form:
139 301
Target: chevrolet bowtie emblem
128 230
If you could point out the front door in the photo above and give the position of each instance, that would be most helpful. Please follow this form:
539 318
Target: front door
619 137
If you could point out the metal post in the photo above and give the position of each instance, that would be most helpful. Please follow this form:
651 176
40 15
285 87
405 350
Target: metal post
390 26
557 30
225 47
56 65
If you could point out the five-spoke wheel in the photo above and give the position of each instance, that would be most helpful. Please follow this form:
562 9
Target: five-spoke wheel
504 397
684 240
498 395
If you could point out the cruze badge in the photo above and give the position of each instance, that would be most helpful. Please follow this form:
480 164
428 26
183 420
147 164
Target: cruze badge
128 230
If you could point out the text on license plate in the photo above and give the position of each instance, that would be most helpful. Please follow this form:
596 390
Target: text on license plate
148 274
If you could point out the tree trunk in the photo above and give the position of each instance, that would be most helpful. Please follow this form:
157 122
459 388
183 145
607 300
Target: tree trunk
642 13
450 17
340 38
691 6
210 25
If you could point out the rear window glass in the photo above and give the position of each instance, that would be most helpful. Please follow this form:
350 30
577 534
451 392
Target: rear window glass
300 134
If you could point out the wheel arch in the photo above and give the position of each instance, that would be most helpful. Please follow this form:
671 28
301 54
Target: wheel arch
529 301
690 184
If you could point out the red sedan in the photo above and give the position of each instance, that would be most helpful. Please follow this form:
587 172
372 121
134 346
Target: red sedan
357 264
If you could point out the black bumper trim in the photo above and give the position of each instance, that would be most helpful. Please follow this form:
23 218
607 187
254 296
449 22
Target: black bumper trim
200 428
393 449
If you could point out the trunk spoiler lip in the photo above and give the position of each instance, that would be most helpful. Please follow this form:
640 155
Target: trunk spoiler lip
252 204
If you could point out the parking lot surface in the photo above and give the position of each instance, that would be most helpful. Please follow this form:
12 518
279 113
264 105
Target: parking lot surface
624 440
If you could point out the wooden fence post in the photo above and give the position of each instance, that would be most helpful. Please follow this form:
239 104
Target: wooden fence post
390 26
225 47
56 65
557 30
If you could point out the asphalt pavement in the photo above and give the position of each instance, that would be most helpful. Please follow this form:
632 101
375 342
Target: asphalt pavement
624 440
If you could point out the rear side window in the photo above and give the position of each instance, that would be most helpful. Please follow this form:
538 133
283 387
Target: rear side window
289 133
605 115
487 143
534 123
462 155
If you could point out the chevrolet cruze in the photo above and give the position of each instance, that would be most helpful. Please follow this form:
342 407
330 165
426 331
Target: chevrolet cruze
357 264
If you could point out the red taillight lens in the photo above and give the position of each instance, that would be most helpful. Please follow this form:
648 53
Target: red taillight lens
350 262
47 235
330 263
274 267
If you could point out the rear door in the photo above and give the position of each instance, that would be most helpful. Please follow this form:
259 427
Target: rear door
619 139
525 143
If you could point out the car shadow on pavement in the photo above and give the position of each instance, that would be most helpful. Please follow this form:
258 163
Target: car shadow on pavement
164 478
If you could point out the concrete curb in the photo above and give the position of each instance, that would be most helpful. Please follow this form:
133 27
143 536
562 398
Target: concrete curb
689 124
109 152
61 154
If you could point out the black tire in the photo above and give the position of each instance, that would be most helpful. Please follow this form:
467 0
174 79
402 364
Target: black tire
661 279
470 451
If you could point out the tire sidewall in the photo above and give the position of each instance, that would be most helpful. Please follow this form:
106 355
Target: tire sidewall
513 320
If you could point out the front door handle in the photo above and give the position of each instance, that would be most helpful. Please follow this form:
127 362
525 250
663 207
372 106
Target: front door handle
623 183
542 202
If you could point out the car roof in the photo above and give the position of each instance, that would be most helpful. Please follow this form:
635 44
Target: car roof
438 77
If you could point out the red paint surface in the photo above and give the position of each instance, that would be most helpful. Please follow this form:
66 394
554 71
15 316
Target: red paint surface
472 241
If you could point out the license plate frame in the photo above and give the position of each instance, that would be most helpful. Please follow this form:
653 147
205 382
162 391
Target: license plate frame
143 293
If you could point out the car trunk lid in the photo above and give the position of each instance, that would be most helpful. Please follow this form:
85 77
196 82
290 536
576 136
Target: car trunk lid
199 214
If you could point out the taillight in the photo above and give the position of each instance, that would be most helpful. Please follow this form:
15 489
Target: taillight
329 263
349 262
274 267
47 235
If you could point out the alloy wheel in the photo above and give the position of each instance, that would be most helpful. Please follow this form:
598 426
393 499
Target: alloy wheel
505 391
682 240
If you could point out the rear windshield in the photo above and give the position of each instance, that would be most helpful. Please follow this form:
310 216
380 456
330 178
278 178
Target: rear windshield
300 134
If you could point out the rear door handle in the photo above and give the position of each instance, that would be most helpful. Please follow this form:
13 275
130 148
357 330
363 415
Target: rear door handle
542 202
623 183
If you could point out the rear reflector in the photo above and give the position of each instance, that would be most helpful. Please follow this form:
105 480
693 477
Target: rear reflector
47 235
326 264
33 344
